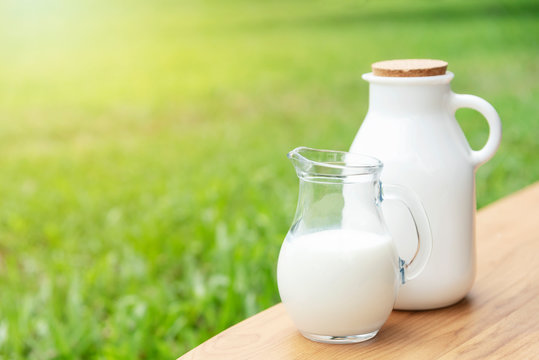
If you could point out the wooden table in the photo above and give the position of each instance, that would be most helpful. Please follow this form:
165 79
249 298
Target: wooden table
498 319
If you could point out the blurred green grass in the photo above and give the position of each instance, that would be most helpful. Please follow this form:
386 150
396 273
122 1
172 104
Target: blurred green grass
144 191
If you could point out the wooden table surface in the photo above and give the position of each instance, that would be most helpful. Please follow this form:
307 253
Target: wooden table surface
498 319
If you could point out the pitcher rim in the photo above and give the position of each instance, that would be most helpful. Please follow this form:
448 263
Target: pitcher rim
374 165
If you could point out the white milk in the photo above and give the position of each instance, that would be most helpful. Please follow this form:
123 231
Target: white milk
338 282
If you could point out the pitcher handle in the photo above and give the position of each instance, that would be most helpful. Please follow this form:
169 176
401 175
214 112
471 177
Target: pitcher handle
412 268
480 157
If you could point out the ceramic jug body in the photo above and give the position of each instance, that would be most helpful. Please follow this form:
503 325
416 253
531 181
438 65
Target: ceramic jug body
411 128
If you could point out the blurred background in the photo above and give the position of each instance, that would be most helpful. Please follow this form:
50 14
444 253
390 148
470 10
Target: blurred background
144 188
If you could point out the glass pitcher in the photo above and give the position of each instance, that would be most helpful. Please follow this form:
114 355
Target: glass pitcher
339 271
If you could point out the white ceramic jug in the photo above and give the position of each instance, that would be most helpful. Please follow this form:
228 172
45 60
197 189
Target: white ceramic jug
411 127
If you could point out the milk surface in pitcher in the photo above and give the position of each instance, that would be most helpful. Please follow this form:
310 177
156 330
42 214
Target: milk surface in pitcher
347 278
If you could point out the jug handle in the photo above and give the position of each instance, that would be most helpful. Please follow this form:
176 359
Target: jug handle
479 157
412 268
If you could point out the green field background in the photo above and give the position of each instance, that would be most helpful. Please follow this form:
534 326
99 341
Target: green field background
144 188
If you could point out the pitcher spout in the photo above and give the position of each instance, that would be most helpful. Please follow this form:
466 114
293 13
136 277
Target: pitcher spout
299 161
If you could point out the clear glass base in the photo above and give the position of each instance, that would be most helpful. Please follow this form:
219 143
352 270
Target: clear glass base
348 339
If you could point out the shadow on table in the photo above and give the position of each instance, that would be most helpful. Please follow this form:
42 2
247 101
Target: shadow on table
403 326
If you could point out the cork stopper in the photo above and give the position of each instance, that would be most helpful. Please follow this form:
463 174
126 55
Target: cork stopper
409 68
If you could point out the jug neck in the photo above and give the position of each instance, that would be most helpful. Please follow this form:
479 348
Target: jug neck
368 191
400 97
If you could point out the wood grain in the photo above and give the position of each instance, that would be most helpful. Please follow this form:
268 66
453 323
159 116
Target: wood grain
499 319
